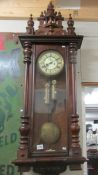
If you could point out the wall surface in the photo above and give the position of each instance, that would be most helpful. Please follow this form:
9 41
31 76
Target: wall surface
11 100
87 65
22 9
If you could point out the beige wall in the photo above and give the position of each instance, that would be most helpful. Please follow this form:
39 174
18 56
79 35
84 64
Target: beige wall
89 59
86 65
22 9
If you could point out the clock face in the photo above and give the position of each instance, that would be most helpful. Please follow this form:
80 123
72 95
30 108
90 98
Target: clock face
50 63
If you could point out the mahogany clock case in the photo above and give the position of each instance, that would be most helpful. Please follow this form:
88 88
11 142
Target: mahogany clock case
49 131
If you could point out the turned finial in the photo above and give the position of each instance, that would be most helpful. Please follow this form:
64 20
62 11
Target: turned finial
71 27
30 25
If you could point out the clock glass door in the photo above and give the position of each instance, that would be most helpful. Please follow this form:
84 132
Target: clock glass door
50 115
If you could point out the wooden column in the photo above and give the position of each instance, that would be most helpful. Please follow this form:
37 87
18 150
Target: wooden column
75 128
23 151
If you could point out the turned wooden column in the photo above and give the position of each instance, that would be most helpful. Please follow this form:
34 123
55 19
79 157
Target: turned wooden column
25 119
75 149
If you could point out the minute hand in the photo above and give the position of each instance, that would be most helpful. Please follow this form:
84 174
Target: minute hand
49 63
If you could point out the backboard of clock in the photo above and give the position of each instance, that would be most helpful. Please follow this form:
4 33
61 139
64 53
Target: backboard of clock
49 127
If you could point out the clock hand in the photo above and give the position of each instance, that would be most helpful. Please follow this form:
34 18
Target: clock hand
49 63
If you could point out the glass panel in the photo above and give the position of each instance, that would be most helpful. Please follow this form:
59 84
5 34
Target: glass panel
50 105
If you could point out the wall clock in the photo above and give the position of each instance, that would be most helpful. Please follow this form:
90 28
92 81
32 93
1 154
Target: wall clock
49 129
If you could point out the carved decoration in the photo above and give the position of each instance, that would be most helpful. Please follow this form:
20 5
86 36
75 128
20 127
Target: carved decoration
71 28
30 26
50 23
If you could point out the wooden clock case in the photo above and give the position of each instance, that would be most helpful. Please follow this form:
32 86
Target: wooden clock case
50 35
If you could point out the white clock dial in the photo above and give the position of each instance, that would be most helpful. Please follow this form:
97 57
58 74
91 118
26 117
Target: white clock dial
50 62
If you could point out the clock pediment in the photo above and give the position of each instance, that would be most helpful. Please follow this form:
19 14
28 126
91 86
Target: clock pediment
50 23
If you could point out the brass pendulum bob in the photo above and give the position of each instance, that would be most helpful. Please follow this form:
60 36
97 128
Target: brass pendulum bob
50 133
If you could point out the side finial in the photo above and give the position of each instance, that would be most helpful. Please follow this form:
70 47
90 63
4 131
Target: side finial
71 27
30 25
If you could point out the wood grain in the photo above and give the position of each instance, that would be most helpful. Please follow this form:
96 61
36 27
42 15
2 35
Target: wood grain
16 9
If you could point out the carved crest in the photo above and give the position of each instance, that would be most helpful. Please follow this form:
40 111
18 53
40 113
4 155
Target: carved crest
50 23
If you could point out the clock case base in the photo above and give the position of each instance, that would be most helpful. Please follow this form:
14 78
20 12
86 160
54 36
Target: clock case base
53 166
